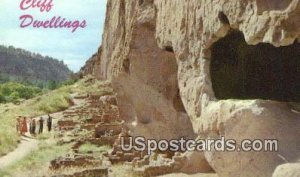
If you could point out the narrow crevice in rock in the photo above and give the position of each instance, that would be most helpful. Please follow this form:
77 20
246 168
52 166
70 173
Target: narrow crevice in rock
177 103
126 66
223 18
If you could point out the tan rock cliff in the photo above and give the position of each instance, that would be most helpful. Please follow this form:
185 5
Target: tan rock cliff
158 55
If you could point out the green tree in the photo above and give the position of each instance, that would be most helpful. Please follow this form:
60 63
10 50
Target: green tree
2 98
5 89
12 91
52 85
14 97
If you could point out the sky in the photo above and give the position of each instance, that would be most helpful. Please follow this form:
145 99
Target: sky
60 43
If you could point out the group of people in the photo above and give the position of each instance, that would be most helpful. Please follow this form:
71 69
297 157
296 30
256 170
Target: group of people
22 125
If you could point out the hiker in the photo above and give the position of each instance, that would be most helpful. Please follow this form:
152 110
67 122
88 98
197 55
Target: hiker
41 125
32 126
49 123
24 128
18 124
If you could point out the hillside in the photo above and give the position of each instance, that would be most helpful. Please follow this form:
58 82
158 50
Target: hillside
22 65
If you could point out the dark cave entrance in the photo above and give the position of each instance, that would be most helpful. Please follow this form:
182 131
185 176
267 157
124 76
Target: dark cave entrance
242 71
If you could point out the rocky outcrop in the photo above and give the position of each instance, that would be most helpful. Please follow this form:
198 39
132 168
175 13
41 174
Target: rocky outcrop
158 55
287 170
91 64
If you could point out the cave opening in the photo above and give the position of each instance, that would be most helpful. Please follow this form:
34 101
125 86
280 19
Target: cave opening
242 71
169 49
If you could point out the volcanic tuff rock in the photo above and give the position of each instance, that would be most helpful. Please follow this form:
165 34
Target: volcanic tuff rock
157 53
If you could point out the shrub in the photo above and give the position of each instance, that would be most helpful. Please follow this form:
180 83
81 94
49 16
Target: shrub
13 92
2 98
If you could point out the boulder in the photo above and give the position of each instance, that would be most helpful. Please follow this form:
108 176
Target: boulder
287 170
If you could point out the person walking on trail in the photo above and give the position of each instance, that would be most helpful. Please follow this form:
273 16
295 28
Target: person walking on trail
33 126
41 125
30 126
18 124
24 128
49 123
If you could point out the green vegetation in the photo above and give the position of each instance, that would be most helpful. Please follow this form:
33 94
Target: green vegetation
53 101
37 160
4 78
49 102
30 68
90 85
45 85
56 100
14 92
24 75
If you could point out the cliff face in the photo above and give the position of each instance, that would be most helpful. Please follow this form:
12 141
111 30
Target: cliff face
91 64
159 54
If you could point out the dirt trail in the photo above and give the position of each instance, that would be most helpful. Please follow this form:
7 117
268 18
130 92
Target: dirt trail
28 143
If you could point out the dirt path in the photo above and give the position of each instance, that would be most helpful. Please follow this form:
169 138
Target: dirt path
28 143
26 146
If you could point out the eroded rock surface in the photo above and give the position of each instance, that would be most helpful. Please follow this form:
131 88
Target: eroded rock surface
158 53
287 170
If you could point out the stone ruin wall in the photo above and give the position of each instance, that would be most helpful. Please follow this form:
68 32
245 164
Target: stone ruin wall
157 53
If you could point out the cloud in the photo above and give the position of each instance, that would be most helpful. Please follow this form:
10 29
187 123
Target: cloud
73 48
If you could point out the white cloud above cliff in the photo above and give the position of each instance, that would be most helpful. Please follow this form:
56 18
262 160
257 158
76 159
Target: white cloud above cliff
73 48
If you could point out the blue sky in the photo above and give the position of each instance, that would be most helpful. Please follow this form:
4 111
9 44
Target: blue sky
73 48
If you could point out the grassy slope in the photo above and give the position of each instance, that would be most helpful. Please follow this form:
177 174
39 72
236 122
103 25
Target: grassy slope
51 102
37 161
